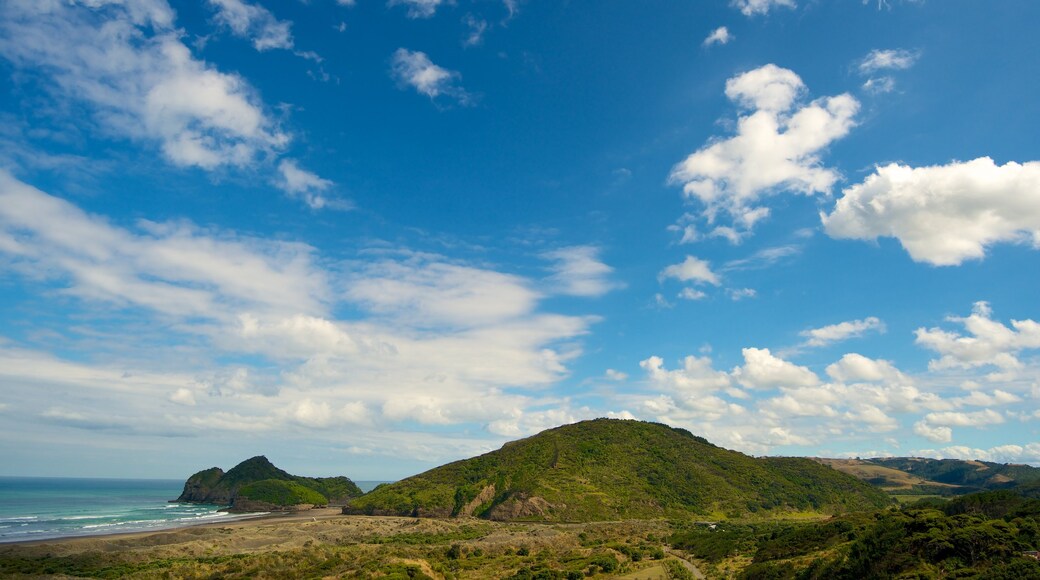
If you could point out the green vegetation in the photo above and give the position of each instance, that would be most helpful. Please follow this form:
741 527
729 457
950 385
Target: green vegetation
348 548
614 469
978 535
280 493
215 486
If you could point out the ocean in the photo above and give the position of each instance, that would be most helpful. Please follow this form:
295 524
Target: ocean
37 508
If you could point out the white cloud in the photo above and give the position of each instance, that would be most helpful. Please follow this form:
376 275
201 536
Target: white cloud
897 59
932 433
691 270
873 418
477 28
426 340
777 146
826 335
720 35
737 294
615 375
753 7
1010 453
415 69
880 85
855 367
762 370
763 258
418 8
306 185
980 399
989 342
943 214
175 269
691 294
579 272
129 64
183 396
429 292
695 377
254 22
522 423
959 419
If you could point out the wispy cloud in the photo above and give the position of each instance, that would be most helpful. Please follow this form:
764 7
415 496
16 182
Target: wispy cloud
720 35
416 70
832 333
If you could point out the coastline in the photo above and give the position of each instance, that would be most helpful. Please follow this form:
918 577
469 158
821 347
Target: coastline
235 520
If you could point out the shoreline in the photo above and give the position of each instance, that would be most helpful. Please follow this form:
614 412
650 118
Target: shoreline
242 520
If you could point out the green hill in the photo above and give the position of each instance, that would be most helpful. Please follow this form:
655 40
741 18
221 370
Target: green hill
278 492
610 469
215 486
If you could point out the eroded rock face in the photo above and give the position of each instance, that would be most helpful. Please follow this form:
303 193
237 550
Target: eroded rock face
521 506
487 494
200 487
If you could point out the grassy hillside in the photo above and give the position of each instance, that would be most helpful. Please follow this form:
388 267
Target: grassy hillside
613 469
890 479
279 492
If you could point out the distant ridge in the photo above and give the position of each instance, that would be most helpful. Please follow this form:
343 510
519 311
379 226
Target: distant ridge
264 485
608 469
937 476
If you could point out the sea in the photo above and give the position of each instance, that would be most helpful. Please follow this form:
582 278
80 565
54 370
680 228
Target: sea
40 508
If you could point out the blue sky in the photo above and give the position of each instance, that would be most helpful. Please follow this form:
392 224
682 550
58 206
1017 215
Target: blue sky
367 237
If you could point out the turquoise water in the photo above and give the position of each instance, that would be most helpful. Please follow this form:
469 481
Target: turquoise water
36 508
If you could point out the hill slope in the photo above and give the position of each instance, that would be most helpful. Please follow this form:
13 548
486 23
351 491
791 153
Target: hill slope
610 469
936 476
215 486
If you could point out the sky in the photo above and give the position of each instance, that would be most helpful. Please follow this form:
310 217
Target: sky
368 237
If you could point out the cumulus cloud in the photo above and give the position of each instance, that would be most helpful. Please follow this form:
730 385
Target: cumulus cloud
720 35
943 214
826 335
415 69
128 63
418 8
1009 453
777 146
578 271
753 7
691 270
254 22
939 434
988 342
697 376
762 370
855 367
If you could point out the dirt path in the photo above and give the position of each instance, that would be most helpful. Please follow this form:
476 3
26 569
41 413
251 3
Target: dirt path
687 564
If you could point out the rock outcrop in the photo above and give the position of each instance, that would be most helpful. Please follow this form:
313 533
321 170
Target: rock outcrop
214 486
